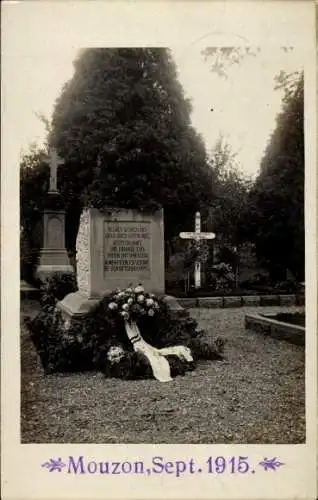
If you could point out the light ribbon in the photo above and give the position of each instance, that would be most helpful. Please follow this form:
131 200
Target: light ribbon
156 357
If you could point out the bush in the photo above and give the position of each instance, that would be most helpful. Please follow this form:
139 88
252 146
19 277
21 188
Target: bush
223 277
86 345
60 350
27 259
288 286
262 284
56 287
258 281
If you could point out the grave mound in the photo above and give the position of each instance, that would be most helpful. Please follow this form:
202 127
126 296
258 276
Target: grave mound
129 334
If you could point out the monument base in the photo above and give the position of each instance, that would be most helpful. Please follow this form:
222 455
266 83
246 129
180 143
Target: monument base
75 306
53 261
46 271
175 307
28 291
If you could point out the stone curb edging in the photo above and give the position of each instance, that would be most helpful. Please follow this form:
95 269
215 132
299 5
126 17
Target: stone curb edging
29 293
240 301
267 325
214 302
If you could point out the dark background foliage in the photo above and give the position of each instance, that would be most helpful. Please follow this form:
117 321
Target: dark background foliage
122 126
276 205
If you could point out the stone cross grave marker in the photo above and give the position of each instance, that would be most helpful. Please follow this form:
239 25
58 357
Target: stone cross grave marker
197 236
53 255
54 161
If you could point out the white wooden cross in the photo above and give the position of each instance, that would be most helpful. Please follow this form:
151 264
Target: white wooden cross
54 161
197 236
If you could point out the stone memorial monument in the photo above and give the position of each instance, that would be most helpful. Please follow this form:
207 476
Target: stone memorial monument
114 250
53 255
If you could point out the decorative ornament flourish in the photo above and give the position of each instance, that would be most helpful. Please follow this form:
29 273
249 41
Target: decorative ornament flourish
270 464
54 464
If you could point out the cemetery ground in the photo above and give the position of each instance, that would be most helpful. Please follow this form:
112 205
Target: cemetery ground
256 395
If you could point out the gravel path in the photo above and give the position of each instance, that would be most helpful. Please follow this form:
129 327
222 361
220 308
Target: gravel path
256 396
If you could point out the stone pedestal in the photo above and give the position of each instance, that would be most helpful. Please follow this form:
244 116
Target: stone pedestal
53 256
28 291
176 309
115 250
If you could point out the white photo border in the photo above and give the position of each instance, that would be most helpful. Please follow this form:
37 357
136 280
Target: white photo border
28 27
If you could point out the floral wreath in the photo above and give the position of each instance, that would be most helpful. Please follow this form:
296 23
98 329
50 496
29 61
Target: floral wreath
100 342
132 304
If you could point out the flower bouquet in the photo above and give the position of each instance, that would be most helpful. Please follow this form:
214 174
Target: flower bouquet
133 303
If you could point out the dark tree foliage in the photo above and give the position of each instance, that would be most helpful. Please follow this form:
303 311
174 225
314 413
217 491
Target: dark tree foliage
221 59
34 182
277 199
122 125
227 215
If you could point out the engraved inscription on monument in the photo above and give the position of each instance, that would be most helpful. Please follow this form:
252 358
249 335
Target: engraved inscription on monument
127 248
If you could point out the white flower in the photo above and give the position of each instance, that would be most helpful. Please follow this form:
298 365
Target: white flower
67 324
130 301
149 302
125 307
151 312
125 315
129 290
140 299
112 306
155 305
152 295
115 354
139 289
121 294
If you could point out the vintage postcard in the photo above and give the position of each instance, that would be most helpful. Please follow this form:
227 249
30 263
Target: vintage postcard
159 250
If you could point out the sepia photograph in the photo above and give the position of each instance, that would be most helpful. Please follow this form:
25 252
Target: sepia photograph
162 246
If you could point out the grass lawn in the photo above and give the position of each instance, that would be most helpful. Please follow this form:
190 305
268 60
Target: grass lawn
257 395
